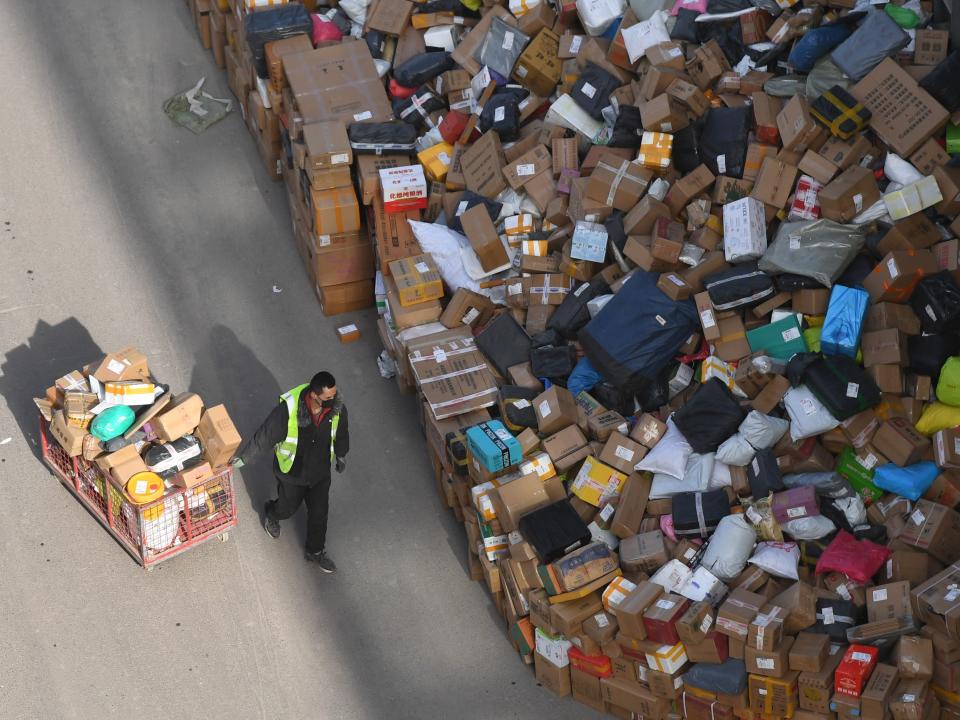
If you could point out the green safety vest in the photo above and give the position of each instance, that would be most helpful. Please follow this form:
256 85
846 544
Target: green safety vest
287 450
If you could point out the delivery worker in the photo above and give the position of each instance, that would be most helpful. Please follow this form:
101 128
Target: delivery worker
308 433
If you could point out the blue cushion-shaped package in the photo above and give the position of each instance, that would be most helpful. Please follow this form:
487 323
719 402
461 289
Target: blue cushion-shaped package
911 481
729 677
493 446
816 43
878 37
637 333
843 324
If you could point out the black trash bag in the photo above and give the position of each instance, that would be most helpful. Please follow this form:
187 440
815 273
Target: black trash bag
726 132
454 6
685 28
274 24
120 442
518 412
614 227
502 113
628 129
856 272
592 90
788 282
654 394
572 313
170 458
811 550
504 343
547 337
376 42
380 137
554 531
553 361
637 333
728 35
837 381
928 353
941 82
686 148
740 286
416 108
936 301
835 617
715 7
471 199
729 677
423 67
698 514
763 474
711 416
613 399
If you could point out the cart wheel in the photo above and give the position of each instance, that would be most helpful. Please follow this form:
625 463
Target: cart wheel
224 537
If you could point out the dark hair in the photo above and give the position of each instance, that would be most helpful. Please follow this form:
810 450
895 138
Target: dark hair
322 381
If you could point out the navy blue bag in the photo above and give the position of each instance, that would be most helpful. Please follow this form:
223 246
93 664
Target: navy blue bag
637 333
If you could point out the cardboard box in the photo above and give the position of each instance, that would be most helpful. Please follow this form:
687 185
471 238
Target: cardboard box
218 436
416 279
900 442
335 264
773 696
194 476
934 528
896 276
538 67
633 697
630 509
555 409
481 164
766 630
618 183
744 230
914 657
818 167
631 609
568 617
180 418
660 618
566 448
732 344
809 652
903 114
878 692
596 482
930 46
126 364
453 376
768 663
483 237
410 316
327 145
335 211
403 188
849 194
522 496
889 315
390 17
467 308
854 669
586 689
946 448
69 436
887 602
556 679
889 378
622 453
774 183
816 688
796 126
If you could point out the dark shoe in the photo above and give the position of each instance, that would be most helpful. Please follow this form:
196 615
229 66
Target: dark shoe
322 560
270 525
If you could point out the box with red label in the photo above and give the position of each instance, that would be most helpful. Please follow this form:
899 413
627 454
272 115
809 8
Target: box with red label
596 665
854 670
660 619
404 188
806 205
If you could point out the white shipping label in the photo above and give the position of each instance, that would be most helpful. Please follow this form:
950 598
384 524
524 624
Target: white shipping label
791 334
525 169
515 289
753 516
365 115
828 618
722 164
796 512
607 512
892 269
861 657
116 367
870 461
615 597
755 464
665 604
809 407
580 290
661 320
515 538
676 281
462 207
422 267
575 44
794 242
507 41
347 329
761 691
521 71
880 595
141 487
706 624
858 202
545 408
499 114
889 569
843 592
917 517
324 240
853 389
689 553
523 404
444 158
589 90
339 159
470 316
666 127
674 52
602 620
624 453
707 319
439 355
909 697
766 663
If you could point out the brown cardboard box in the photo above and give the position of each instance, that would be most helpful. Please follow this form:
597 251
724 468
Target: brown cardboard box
519 172
809 652
736 612
768 663
644 552
622 453
481 164
327 145
631 609
945 489
818 167
648 430
914 657
126 364
674 287
888 315
797 128
556 679
878 692
586 689
602 425
633 697
904 115
218 436
766 629
887 602
639 249
913 233
689 95
340 262
771 394
663 114
519 497
483 237
180 418
467 308
538 67
852 192
688 187
810 302
566 448
778 698
931 46
889 378
708 317
897 275
946 448
417 279
816 688
774 182
640 220
900 442
193 476
556 409
934 528
567 617
619 183
800 602
930 155
732 344
404 317
633 503
69 436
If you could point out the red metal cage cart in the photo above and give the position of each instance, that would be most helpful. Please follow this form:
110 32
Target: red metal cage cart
154 531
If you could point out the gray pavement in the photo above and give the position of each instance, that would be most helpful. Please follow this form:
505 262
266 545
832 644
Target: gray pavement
118 228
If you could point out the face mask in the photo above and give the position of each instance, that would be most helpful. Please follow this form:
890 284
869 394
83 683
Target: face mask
327 403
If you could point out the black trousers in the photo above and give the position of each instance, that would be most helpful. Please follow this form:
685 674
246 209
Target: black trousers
317 499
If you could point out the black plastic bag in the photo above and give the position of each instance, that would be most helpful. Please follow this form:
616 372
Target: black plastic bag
614 399
835 617
416 108
504 343
928 353
376 41
572 313
941 82
837 381
686 148
554 531
711 416
423 67
740 286
502 113
936 301
763 474
685 28
614 226
856 271
382 137
517 406
728 35
656 393
592 90
454 6
628 129
552 361
274 24
698 514
726 133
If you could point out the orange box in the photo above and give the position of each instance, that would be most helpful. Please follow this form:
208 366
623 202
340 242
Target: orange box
335 211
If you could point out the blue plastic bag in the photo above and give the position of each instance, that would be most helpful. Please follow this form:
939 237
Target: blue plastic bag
911 482
843 324
815 44
583 377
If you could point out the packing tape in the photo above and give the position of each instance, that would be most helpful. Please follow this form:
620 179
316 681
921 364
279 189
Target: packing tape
455 373
619 174
472 396
698 502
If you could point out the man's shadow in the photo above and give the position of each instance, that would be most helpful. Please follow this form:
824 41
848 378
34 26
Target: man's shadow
29 369
227 371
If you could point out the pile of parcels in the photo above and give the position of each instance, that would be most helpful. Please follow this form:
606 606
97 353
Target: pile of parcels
676 287
141 444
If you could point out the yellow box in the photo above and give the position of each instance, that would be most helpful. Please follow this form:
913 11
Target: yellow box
436 161
417 279
774 696
656 149
596 480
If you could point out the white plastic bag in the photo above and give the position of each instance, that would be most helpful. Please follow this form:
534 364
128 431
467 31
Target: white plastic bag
672 576
445 245
721 477
669 456
644 35
853 510
597 15
808 416
809 528
735 450
779 559
730 547
356 10
763 431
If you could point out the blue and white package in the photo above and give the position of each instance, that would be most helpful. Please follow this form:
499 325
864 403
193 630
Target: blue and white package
843 324
493 446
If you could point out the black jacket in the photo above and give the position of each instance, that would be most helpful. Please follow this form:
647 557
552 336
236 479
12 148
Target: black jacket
312 461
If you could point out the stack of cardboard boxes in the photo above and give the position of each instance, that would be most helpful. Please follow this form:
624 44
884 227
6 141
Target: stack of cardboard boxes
643 248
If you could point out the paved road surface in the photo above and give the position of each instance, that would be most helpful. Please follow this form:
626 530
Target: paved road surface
118 228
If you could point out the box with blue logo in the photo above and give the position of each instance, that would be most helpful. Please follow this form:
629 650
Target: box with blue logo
492 445
843 324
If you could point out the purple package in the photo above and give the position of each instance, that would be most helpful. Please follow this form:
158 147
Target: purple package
796 503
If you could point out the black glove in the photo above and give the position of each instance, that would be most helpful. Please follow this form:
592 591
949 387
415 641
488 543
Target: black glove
341 465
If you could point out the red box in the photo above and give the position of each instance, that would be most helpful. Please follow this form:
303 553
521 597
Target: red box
660 619
597 665
854 670
806 206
